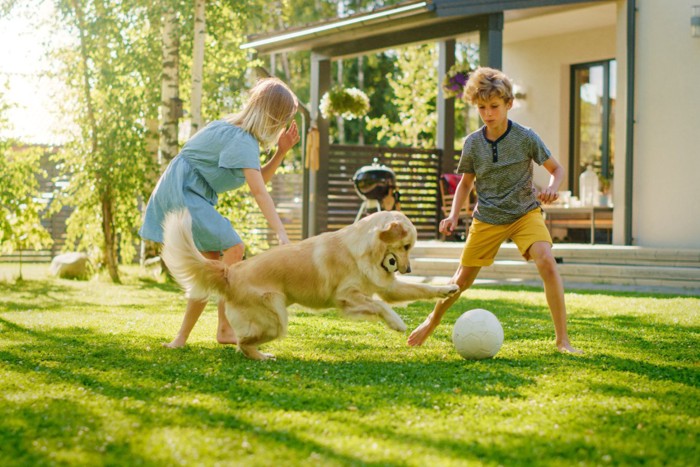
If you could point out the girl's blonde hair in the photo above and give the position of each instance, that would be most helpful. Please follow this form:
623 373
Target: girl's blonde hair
485 83
270 108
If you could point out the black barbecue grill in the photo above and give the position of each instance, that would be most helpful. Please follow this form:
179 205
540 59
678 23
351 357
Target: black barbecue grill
373 183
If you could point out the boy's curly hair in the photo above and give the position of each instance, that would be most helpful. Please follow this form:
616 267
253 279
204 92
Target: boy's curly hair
485 83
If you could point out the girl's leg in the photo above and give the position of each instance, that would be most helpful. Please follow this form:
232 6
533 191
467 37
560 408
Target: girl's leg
224 331
464 278
194 308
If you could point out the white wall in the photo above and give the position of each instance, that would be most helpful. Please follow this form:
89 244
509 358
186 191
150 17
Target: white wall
666 196
666 162
542 67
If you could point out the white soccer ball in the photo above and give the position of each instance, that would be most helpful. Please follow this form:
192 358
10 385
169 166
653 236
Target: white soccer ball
477 334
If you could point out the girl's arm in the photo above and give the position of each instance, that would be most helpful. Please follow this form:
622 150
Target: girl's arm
264 201
551 194
287 140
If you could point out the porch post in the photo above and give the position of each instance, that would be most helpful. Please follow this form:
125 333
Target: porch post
445 108
491 42
315 205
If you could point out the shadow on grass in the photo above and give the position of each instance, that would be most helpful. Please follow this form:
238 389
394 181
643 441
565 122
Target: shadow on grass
360 378
128 368
50 295
610 293
164 286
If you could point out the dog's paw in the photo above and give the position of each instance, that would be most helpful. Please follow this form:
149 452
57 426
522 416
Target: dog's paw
448 290
396 324
254 354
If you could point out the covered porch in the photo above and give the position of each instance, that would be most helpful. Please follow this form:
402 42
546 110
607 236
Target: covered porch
329 200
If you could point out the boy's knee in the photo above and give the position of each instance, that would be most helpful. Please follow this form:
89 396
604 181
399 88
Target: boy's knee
546 264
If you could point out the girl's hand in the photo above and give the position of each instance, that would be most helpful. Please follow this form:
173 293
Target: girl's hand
282 238
288 138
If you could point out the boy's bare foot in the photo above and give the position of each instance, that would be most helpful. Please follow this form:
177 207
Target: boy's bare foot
421 333
566 348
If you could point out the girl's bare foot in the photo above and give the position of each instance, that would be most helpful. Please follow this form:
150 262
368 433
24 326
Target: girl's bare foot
566 348
226 336
175 344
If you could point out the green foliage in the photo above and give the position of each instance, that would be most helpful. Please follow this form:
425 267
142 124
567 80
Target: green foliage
85 381
112 92
21 204
348 103
415 91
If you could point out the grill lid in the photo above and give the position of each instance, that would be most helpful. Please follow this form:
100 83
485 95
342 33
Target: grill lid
374 181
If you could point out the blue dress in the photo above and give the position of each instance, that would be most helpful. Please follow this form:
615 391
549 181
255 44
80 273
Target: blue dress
210 163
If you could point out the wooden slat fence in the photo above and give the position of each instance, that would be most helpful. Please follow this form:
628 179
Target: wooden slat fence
417 173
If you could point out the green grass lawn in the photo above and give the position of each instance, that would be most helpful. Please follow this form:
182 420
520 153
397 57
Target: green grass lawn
84 381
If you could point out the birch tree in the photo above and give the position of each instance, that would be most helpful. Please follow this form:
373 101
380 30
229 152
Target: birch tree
110 72
171 104
200 33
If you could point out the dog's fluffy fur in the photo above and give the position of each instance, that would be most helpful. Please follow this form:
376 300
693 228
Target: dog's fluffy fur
345 269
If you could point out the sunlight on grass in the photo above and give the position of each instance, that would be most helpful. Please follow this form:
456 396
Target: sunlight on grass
85 381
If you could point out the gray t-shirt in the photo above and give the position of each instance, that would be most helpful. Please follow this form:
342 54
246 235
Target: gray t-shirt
503 169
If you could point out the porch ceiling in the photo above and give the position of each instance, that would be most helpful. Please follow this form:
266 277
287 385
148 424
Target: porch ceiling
405 23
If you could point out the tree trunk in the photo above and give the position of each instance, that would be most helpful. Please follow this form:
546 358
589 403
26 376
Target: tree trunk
200 33
110 245
170 105
109 251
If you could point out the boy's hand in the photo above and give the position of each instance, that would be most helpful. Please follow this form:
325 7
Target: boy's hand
448 225
547 196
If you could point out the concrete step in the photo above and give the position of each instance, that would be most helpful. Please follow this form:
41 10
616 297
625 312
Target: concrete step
578 253
584 265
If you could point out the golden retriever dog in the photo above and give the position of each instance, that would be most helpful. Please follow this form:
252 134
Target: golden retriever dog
352 269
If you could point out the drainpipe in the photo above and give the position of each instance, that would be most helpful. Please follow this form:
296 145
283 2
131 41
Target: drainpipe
629 136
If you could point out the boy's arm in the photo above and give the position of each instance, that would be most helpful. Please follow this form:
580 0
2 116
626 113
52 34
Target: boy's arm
464 187
550 194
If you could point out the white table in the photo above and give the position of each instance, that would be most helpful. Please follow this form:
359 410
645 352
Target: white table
589 213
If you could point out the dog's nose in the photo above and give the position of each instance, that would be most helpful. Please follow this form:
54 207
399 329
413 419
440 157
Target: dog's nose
408 269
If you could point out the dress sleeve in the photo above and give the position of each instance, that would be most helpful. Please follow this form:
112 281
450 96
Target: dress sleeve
538 150
240 152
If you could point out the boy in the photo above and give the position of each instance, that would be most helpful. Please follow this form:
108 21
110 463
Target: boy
499 157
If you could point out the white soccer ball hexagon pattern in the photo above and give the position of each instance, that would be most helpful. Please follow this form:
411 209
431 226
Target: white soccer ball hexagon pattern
477 334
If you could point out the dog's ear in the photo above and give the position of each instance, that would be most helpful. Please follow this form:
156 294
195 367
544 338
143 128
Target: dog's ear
392 232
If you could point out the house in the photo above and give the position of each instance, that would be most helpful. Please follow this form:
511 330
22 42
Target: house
632 65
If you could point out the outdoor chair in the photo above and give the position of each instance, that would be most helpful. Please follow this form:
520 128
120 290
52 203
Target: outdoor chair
448 185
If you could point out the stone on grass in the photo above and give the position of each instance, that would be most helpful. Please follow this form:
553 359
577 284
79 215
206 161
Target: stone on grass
71 266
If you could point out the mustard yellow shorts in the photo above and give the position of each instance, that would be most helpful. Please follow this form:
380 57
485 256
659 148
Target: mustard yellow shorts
484 239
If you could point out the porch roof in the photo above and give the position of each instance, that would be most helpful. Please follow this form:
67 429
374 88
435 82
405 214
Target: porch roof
404 23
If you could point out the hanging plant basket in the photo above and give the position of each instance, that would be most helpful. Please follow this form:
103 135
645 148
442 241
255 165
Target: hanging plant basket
455 80
348 103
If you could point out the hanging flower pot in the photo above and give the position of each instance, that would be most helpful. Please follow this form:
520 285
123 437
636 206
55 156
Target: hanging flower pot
348 103
456 79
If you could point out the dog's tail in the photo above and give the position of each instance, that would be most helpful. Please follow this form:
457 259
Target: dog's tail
199 276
